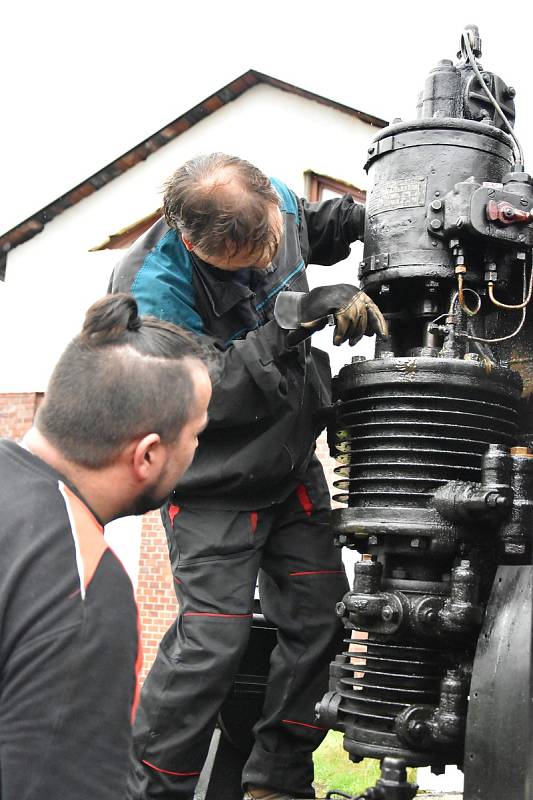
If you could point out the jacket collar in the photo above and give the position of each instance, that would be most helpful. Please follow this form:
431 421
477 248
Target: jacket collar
223 294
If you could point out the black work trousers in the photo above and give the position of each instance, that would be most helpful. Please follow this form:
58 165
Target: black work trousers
216 557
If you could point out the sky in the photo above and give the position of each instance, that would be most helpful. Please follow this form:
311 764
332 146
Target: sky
84 82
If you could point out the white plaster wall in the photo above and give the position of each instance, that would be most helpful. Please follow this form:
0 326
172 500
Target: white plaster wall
52 279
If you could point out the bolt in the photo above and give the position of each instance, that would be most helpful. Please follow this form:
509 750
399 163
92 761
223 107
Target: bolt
437 194
436 205
436 224
371 150
523 201
384 288
503 502
491 193
387 613
416 543
465 562
358 359
417 729
429 616
342 539
340 609
373 541
510 92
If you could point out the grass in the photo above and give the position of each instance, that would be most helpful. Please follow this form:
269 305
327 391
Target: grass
334 770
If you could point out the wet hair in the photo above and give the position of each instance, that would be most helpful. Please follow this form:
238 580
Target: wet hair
223 205
123 377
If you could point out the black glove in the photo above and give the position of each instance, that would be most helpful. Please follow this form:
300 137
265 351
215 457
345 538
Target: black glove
350 309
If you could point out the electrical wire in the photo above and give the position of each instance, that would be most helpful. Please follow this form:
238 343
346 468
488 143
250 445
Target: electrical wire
466 40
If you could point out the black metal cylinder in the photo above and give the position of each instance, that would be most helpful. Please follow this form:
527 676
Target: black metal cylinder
408 426
412 166
371 688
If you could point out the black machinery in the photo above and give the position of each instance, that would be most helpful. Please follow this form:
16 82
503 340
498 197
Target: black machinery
432 440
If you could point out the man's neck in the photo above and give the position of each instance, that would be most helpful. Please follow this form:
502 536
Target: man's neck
92 484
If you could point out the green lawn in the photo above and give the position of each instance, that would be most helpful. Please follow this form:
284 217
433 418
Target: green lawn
334 770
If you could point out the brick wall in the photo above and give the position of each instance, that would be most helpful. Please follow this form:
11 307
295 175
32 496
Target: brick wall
17 412
155 592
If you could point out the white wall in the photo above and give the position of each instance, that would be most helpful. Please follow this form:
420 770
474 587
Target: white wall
52 279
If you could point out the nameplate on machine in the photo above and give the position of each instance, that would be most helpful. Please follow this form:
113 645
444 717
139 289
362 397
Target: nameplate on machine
403 193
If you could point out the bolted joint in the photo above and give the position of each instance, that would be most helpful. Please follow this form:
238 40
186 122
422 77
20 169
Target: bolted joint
340 609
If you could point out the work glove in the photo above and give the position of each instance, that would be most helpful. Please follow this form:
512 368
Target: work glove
352 312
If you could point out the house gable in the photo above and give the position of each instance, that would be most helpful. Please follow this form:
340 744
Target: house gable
34 224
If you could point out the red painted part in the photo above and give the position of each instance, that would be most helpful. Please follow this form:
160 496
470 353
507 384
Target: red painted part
254 516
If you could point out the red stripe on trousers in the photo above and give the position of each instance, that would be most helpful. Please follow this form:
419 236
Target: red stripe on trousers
172 511
210 614
318 572
168 771
303 724
305 500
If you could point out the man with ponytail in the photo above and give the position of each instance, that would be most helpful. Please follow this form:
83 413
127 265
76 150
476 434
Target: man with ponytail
117 428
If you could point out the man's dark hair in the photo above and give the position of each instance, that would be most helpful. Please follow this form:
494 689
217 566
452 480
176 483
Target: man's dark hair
122 377
223 205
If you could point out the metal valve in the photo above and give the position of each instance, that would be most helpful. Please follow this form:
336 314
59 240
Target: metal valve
504 212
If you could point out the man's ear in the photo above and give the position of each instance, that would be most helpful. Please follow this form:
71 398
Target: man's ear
146 456
188 244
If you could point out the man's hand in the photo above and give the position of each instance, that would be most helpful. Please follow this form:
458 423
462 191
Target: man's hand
353 312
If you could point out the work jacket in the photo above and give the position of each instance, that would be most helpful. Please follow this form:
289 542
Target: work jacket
264 413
